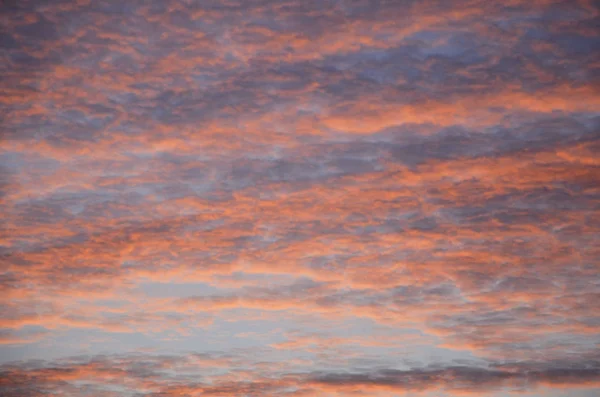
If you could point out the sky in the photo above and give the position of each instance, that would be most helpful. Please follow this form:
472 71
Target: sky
294 198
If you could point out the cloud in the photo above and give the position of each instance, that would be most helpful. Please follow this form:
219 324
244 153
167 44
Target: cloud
298 175
461 378
151 375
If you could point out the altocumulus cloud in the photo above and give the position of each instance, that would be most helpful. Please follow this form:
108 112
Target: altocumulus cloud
304 198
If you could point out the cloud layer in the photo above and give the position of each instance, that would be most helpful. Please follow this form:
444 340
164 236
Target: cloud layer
299 197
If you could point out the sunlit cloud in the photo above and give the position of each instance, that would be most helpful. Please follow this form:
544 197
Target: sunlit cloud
303 198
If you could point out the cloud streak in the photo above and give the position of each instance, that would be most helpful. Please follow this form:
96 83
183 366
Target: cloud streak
152 375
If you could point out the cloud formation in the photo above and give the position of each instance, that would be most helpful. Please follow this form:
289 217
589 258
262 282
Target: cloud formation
197 374
301 192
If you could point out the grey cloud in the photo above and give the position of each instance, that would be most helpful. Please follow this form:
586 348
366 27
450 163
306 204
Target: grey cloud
35 379
523 377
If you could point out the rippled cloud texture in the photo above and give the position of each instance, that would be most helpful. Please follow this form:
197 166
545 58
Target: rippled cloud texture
300 198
